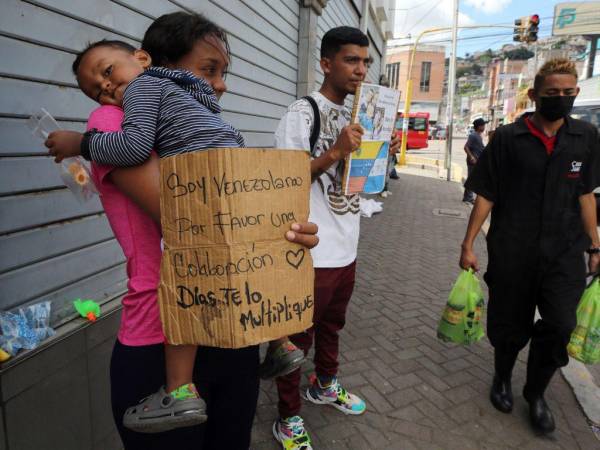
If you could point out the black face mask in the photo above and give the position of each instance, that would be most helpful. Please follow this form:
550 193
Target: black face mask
555 107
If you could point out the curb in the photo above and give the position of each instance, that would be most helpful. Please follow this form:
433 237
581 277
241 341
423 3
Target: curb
434 165
586 392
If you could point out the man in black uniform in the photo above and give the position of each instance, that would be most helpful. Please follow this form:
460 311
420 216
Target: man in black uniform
536 176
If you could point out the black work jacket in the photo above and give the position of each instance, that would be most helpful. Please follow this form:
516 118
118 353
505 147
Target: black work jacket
536 195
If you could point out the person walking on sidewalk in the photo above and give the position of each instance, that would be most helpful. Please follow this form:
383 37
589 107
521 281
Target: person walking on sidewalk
321 123
536 177
473 148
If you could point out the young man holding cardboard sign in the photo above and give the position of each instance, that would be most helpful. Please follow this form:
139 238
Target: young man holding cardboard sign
345 61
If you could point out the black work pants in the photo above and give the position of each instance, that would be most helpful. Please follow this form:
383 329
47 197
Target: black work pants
226 379
520 283
468 195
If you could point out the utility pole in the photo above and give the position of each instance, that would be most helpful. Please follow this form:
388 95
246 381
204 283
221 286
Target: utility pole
451 89
592 57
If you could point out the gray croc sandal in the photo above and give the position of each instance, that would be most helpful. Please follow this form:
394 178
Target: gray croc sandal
280 362
162 412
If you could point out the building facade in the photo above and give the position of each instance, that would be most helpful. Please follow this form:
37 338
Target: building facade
54 248
504 78
427 76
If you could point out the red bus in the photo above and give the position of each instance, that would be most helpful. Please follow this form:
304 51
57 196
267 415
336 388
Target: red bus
418 129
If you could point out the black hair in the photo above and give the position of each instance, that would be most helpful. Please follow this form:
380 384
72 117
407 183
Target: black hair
172 36
335 38
103 43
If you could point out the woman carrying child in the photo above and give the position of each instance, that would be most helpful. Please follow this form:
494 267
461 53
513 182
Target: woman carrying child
172 111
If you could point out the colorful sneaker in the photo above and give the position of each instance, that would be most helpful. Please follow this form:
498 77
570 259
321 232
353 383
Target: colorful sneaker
335 395
290 433
283 360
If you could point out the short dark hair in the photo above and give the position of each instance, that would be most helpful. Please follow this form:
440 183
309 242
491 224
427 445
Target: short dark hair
335 38
173 35
103 43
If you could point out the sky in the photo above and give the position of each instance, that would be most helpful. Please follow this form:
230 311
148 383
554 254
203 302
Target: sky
414 16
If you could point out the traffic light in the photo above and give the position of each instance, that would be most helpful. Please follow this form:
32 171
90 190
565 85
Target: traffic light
533 25
526 29
518 30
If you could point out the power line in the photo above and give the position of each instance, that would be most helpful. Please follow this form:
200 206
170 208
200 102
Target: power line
466 38
444 31
544 27
435 41
478 36
424 15
582 13
412 7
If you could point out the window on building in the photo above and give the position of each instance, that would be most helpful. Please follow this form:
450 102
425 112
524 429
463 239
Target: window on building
425 76
393 74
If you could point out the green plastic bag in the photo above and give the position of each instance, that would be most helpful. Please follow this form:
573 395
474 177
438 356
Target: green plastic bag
585 340
461 319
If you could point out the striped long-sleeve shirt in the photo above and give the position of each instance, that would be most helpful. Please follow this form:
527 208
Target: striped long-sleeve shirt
170 111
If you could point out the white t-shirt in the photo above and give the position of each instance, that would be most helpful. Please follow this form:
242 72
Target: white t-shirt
336 214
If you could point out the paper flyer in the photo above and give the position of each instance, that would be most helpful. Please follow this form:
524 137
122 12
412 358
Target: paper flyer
375 109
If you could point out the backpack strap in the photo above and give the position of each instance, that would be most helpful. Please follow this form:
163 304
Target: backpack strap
316 128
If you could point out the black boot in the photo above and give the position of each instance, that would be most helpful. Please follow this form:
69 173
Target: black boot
539 413
538 379
501 395
501 392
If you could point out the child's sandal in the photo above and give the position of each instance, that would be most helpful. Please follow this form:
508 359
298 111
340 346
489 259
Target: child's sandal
162 412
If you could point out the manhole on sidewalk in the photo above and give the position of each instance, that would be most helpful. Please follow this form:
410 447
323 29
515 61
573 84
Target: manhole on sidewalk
454 213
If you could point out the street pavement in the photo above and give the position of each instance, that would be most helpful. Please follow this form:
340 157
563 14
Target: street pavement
421 393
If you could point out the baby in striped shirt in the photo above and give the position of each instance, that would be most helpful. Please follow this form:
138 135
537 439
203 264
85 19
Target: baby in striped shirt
170 111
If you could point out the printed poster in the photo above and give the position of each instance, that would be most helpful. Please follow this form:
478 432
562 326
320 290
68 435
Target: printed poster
375 109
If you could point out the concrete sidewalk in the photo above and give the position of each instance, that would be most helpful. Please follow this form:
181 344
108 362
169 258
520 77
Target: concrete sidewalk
420 392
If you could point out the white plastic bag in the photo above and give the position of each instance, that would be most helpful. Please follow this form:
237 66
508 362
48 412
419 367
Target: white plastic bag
368 207
73 171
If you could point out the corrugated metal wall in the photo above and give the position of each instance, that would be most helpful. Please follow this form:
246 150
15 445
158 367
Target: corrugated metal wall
347 12
51 247
376 48
337 13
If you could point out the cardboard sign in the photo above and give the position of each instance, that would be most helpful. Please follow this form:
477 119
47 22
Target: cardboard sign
229 278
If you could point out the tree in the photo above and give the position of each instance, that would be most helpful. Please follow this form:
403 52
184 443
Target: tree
462 71
520 53
486 57
466 88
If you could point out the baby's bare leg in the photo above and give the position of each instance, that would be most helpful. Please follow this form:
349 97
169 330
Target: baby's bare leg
180 361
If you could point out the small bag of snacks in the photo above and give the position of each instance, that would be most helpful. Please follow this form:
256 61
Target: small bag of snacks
73 171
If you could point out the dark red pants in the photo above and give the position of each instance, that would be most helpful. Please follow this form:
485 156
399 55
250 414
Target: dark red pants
333 289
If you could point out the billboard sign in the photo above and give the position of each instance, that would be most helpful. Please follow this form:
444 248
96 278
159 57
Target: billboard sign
576 18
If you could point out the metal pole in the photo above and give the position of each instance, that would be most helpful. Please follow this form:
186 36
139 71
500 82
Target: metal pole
451 88
407 100
592 58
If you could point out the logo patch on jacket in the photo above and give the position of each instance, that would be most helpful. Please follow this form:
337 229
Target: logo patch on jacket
575 169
